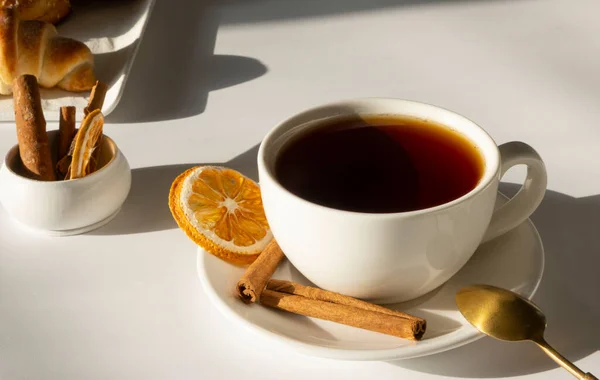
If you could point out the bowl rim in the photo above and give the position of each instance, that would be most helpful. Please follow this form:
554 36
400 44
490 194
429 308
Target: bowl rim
90 177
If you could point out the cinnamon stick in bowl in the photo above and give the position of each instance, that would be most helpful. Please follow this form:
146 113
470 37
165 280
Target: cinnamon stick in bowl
67 126
97 96
96 102
66 130
66 134
34 148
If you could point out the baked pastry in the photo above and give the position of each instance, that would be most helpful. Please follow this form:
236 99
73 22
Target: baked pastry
35 48
52 11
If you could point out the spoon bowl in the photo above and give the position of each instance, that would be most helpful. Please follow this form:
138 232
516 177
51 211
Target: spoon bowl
505 315
500 314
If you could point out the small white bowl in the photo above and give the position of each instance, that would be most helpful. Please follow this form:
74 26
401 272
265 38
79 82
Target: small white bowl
69 207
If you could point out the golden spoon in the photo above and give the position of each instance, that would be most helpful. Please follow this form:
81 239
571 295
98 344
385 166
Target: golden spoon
505 315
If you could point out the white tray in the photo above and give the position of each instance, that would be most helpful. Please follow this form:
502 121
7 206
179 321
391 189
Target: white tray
113 31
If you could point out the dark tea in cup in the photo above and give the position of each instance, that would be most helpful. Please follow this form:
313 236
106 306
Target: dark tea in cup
379 164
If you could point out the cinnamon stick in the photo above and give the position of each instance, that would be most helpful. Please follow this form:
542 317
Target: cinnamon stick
344 314
34 148
64 164
66 133
253 282
96 102
97 96
66 130
62 167
327 296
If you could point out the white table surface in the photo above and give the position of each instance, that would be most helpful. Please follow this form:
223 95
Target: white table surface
210 80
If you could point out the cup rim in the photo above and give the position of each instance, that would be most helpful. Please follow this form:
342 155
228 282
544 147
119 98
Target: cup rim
485 182
87 178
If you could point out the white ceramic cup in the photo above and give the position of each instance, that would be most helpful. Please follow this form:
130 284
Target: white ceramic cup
394 257
63 208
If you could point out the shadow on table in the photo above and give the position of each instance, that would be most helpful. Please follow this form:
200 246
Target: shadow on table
568 295
175 68
249 11
146 208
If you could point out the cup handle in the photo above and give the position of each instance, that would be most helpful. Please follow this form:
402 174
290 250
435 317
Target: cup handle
529 196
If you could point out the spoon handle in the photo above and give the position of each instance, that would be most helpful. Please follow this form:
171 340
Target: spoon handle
563 362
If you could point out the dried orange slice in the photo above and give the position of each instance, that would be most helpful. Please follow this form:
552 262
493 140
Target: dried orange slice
221 210
86 141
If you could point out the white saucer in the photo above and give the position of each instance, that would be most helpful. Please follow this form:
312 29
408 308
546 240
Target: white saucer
514 261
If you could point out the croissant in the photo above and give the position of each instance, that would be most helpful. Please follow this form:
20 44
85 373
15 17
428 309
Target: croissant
52 11
35 48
